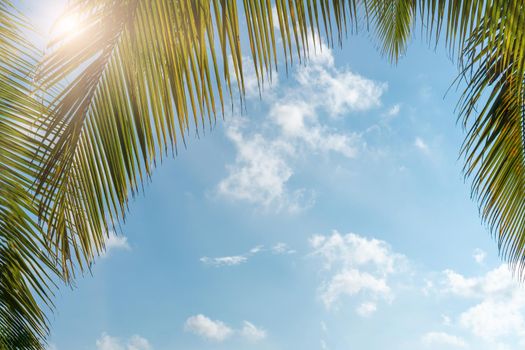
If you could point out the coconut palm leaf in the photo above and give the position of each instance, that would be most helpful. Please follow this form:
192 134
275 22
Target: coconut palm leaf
488 40
152 71
26 270
143 75
494 70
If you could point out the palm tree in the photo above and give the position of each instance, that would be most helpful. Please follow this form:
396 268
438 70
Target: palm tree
126 88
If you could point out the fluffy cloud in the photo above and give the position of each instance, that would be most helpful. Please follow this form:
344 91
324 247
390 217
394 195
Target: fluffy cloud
356 265
263 165
339 91
218 331
136 342
208 328
494 284
441 339
260 173
499 312
298 121
116 242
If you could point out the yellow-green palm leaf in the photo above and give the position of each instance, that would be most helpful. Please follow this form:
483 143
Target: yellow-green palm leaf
26 269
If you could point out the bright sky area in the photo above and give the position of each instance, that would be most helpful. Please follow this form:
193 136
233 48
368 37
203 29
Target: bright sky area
330 214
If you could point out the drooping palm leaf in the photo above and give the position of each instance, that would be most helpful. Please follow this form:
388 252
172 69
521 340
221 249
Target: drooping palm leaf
143 74
151 67
488 39
26 270
494 65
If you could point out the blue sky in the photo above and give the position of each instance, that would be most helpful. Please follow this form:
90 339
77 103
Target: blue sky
330 214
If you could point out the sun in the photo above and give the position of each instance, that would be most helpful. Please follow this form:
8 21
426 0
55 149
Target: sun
67 25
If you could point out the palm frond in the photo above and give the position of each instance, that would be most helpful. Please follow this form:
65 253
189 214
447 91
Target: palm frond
143 74
494 67
26 271
487 39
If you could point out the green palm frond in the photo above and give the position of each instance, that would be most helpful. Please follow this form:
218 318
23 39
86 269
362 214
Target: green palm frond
26 271
487 38
143 74
494 67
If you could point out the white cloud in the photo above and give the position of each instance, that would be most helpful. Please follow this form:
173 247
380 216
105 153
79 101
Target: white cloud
499 312
251 84
260 173
493 319
252 333
421 145
207 328
116 242
366 309
218 331
429 286
351 282
282 248
355 265
394 110
136 342
443 339
340 91
445 320
479 255
224 260
264 163
298 120
495 283
257 249
279 248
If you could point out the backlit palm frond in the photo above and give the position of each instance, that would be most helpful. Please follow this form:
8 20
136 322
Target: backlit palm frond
494 66
26 270
393 22
143 73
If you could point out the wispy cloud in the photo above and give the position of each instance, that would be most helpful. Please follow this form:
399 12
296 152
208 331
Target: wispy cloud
279 248
441 339
251 332
224 260
421 145
393 111
479 255
282 248
135 342
116 242
366 309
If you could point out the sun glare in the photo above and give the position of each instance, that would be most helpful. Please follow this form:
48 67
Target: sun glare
66 25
